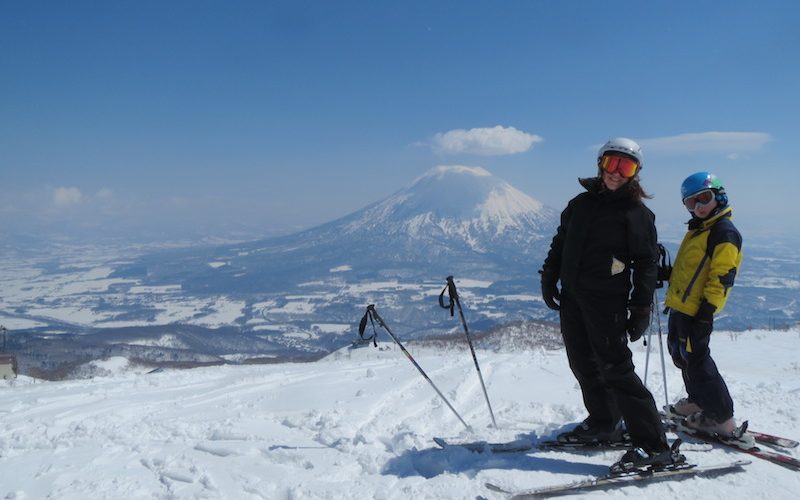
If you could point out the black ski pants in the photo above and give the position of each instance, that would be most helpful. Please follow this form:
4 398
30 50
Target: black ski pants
593 327
689 349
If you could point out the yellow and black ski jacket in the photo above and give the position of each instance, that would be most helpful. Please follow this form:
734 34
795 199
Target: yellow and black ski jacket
706 265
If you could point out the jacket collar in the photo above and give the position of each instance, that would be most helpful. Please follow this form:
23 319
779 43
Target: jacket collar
703 224
594 185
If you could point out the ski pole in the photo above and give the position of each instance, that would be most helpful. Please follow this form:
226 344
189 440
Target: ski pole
661 350
647 343
664 272
373 316
653 312
660 347
451 289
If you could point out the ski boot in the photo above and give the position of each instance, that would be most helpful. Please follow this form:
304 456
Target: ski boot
699 421
642 459
587 432
683 407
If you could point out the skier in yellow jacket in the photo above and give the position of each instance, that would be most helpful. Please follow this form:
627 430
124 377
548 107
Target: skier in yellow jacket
705 268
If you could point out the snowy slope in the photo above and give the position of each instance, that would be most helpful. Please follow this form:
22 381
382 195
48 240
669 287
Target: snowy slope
357 424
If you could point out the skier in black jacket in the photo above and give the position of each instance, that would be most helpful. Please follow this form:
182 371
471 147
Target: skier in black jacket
605 255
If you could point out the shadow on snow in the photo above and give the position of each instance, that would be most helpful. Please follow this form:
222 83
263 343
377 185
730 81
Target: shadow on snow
434 461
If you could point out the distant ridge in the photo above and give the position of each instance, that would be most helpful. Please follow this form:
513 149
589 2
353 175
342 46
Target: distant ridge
450 219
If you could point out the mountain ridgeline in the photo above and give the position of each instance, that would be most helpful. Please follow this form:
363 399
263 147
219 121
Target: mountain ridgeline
451 220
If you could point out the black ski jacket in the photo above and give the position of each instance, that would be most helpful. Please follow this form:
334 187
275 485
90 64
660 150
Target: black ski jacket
606 244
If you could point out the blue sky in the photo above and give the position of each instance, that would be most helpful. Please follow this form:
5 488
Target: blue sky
204 117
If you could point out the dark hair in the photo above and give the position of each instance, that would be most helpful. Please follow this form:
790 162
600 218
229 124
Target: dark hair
637 191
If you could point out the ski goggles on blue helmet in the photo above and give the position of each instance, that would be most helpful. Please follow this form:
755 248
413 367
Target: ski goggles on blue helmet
700 199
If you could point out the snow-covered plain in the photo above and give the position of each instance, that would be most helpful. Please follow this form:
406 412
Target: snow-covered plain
36 293
80 295
358 424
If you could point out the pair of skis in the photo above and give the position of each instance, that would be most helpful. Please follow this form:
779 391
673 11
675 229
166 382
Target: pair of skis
743 440
638 476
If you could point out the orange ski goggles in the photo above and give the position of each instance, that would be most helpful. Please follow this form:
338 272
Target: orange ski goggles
625 165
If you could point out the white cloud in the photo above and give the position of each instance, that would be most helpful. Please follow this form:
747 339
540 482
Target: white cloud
485 141
728 143
66 196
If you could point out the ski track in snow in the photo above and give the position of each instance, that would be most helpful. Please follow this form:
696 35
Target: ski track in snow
359 424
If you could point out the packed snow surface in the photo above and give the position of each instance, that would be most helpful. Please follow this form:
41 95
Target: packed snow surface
358 424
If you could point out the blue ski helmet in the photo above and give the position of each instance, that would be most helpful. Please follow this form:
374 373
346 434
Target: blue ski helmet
702 181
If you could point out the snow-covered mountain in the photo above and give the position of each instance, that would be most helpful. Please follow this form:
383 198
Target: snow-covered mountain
467 205
451 220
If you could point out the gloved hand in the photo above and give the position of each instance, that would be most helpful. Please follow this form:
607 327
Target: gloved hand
550 293
664 266
703 322
664 273
638 321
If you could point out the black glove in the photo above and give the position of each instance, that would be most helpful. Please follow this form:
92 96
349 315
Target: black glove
664 266
638 321
550 293
703 322
664 272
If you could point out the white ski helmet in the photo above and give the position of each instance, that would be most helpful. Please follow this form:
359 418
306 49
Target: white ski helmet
622 145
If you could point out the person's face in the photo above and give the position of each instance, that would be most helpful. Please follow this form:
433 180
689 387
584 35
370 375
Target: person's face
614 181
